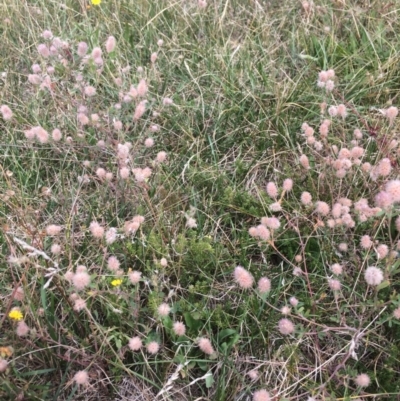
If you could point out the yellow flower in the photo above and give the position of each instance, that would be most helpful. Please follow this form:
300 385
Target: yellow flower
96 2
116 282
16 314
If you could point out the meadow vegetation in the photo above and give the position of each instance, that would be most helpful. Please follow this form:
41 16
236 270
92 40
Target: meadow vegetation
200 200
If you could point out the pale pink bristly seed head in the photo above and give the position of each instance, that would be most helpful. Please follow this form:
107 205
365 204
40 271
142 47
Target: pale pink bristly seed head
261 395
264 285
80 280
43 50
285 326
82 49
373 275
366 242
90 91
3 365
113 263
101 173
337 269
56 135
142 88
206 346
382 251
393 188
139 111
334 284
19 294
243 277
124 173
96 53
79 304
163 310
362 380
322 208
272 190
179 328
53 229
253 374
135 343
161 157
149 142
111 235
304 161
153 347
110 44
34 79
153 57
287 184
167 101
135 277
22 329
96 229
81 378
391 113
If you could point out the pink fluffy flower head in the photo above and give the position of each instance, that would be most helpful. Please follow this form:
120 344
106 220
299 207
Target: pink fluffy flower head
81 280
111 235
261 395
264 285
179 328
142 88
90 91
304 161
393 189
82 49
153 347
306 198
206 346
391 113
81 378
362 380
366 242
373 275
243 277
135 343
135 277
334 284
287 184
53 230
153 57
271 222
79 304
272 190
322 208
113 263
43 50
337 268
6 112
110 44
96 229
285 326
163 310
140 110
22 329
3 365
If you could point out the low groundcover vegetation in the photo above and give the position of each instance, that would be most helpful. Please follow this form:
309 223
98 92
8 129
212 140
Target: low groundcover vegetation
200 200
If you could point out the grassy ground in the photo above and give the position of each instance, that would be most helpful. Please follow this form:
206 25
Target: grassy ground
242 76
